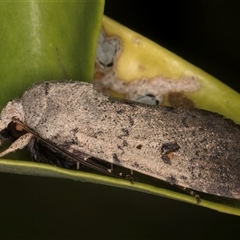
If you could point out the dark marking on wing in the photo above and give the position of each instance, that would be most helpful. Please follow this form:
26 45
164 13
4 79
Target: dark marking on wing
139 146
46 88
167 151
131 121
125 143
183 177
172 180
121 111
115 158
75 130
125 133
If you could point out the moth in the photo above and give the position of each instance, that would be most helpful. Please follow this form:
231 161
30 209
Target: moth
69 124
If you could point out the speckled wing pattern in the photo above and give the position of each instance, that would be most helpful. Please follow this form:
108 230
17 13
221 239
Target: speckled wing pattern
191 148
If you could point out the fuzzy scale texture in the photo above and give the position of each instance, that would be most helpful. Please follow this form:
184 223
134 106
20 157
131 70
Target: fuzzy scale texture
191 148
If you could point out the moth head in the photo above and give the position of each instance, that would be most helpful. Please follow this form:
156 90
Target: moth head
13 109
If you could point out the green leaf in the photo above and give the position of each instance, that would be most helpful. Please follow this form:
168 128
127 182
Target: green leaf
39 169
46 40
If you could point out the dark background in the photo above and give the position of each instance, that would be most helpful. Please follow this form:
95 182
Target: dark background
206 33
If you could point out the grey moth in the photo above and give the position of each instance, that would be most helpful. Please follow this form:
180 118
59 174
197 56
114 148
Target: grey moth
69 124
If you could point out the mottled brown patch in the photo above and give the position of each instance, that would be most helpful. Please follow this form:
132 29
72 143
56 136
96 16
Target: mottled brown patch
98 75
170 155
168 150
177 99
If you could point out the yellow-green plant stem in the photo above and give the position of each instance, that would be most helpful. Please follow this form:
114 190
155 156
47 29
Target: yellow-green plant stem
142 58
38 169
